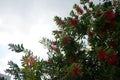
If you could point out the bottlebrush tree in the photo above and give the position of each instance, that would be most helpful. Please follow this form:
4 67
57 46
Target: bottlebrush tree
86 46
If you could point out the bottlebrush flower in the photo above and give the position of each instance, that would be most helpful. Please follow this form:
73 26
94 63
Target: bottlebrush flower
111 25
90 34
102 33
112 59
30 61
76 71
72 22
79 10
109 15
54 48
113 44
65 40
71 58
101 55
109 58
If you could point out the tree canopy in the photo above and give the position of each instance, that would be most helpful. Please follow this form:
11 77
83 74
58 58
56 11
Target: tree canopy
86 46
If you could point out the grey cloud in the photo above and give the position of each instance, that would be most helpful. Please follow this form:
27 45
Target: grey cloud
23 14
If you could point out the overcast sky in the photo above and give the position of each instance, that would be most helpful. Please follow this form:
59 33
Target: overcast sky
27 21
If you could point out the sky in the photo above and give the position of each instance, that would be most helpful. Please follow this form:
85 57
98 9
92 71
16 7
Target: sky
27 22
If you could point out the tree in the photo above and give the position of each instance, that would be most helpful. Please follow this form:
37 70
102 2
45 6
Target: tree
86 46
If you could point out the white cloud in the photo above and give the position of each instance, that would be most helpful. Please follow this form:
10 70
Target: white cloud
9 56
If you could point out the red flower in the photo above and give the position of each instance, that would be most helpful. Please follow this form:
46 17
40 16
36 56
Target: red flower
72 22
76 71
112 59
54 48
109 15
112 25
101 55
91 34
113 44
79 10
71 58
65 40
109 61
30 61
109 58
102 33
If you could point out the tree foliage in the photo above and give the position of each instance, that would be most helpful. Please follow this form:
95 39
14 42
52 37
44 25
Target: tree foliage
86 46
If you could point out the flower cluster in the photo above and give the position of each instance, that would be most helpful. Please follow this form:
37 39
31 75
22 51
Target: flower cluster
110 58
76 71
30 61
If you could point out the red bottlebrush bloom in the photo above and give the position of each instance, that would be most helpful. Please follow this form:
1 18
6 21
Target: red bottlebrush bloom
102 33
30 61
73 74
101 55
112 25
109 15
109 58
109 61
65 40
79 10
54 48
76 71
112 59
91 34
71 58
113 44
74 21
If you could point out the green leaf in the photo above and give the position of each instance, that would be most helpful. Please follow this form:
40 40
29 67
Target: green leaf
110 51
